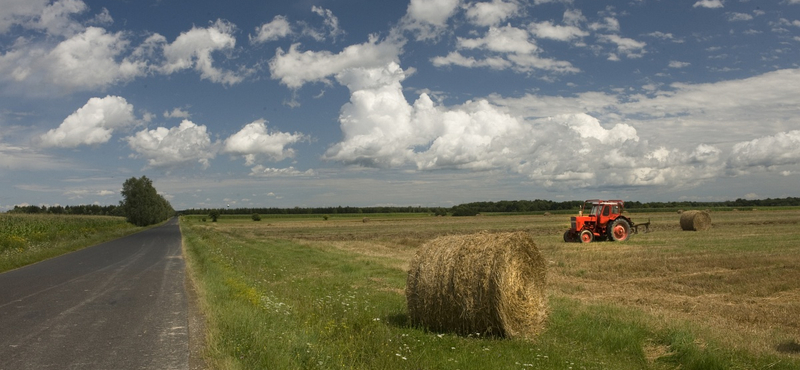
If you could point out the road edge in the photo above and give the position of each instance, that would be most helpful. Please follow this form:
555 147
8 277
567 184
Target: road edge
196 320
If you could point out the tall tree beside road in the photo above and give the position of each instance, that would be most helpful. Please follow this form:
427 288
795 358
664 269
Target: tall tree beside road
142 204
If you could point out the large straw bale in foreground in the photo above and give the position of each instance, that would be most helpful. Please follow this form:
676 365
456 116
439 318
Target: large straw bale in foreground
481 283
695 220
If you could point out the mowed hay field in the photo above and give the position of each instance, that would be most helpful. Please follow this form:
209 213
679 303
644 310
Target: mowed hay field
727 297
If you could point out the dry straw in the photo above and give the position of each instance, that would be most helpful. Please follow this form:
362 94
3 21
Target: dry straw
695 220
488 284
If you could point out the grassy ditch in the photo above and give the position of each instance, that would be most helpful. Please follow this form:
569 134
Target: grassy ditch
26 239
314 294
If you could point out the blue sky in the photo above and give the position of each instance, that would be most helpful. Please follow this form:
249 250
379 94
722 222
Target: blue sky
429 103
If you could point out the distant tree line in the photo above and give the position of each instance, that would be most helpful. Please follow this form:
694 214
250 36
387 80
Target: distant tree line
162 210
504 206
92 209
527 206
513 206
141 205
738 203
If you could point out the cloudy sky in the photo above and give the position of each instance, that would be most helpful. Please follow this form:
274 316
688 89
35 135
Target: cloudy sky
420 102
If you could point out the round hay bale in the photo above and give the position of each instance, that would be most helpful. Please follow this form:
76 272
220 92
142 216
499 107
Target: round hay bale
488 284
695 220
365 220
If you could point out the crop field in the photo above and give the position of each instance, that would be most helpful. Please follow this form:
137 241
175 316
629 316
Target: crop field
26 239
310 293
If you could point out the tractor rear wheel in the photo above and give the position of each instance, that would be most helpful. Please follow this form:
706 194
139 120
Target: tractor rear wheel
586 236
620 230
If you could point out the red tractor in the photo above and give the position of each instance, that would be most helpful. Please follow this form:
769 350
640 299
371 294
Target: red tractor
603 221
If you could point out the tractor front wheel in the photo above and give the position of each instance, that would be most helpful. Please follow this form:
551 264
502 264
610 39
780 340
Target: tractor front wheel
586 236
620 230
568 237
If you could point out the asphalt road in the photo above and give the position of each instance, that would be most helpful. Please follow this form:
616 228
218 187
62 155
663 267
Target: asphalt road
117 305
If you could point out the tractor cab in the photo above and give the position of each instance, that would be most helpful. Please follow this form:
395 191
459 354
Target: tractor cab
604 211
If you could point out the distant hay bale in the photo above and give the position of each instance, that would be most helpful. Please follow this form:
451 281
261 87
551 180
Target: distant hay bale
546 214
488 284
680 211
365 220
695 220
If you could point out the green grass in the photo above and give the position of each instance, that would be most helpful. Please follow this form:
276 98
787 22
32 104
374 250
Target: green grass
26 239
284 297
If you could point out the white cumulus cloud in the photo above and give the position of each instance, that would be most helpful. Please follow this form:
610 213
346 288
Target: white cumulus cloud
53 18
626 46
457 59
503 47
20 12
194 49
709 4
278 28
609 24
382 129
255 140
552 31
295 68
491 13
678 64
261 171
94 123
177 113
376 122
330 25
169 148
475 135
683 117
736 17
434 12
506 39
91 59
765 152
65 54
428 18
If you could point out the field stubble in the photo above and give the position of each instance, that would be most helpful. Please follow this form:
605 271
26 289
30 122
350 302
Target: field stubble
742 274
737 283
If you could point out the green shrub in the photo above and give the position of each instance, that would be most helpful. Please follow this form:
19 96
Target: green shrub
464 211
